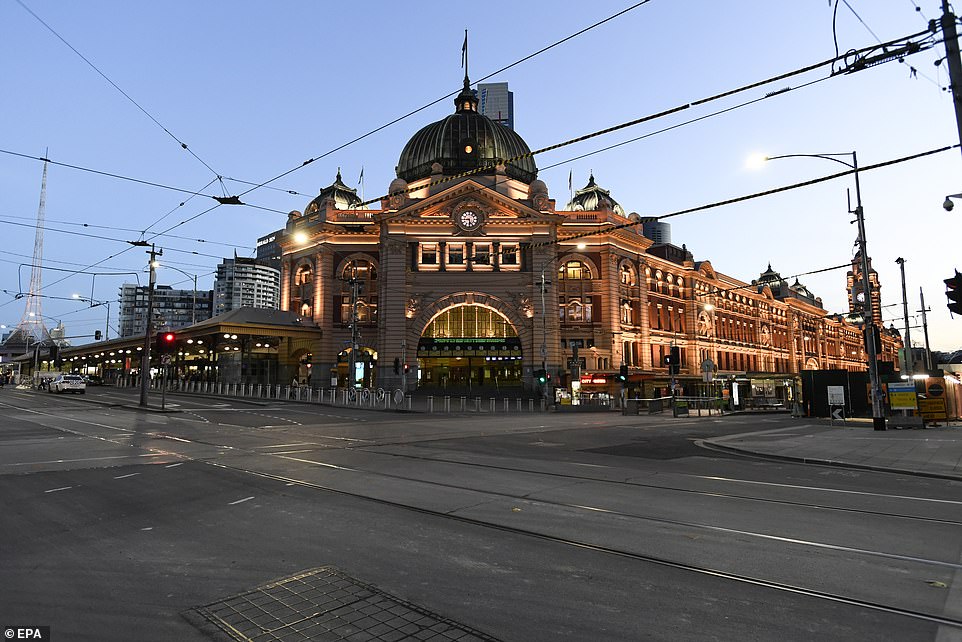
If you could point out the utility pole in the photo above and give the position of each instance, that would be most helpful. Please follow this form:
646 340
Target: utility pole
909 360
354 286
951 38
148 330
929 366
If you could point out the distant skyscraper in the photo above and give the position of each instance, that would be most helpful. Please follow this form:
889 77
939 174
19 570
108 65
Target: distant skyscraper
172 308
245 283
268 251
657 231
496 102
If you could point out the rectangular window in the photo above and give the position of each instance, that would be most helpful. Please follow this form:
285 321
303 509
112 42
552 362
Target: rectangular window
429 254
509 256
455 258
482 254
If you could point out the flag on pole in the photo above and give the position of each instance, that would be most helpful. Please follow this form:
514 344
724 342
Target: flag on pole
464 51
360 179
569 180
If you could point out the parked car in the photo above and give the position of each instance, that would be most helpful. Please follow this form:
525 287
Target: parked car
94 380
68 383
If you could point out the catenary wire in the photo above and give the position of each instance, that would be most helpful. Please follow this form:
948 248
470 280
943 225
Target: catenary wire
446 96
117 87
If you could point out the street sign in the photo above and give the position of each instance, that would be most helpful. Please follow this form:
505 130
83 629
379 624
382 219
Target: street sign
708 366
836 395
935 389
837 414
932 409
902 396
165 359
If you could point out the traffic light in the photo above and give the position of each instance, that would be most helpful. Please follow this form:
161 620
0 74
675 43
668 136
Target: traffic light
541 376
54 353
407 368
397 365
623 373
165 342
674 367
876 338
953 292
98 335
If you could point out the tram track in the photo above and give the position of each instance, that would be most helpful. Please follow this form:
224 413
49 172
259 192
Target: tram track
787 587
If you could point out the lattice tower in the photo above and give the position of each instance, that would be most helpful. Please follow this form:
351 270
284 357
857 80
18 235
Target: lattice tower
32 322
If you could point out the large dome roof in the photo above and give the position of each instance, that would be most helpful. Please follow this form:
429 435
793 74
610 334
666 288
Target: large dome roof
464 141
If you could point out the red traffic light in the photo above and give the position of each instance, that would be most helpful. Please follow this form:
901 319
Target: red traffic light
169 337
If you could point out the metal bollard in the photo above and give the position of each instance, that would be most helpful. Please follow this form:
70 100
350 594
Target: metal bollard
491 405
430 404
464 403
447 404
477 404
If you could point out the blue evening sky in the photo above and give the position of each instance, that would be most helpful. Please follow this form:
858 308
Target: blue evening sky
256 88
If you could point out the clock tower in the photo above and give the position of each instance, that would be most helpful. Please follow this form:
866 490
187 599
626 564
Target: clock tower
856 289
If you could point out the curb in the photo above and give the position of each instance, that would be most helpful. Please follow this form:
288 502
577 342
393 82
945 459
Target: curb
710 445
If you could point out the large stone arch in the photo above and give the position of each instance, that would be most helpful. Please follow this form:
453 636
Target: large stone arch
428 312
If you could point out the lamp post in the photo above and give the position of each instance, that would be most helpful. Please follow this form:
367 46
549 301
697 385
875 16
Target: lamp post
878 415
544 312
193 311
93 304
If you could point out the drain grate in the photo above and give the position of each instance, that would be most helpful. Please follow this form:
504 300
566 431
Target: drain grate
325 604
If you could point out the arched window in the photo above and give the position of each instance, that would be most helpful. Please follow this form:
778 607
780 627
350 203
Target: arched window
627 274
304 275
576 312
574 271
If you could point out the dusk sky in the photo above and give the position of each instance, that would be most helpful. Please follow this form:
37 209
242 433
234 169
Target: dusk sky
256 88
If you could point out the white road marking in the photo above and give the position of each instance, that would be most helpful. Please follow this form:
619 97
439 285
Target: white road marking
54 490
174 465
291 452
241 501
149 528
126 476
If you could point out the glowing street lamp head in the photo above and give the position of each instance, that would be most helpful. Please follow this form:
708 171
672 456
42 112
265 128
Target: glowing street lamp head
756 160
300 238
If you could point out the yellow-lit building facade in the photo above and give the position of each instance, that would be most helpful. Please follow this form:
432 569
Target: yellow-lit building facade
468 278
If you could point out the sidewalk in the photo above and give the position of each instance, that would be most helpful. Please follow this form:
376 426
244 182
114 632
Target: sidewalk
933 452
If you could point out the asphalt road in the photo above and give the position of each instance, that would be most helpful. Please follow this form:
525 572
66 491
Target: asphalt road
116 522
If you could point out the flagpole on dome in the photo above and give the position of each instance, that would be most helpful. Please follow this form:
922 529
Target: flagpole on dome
464 57
360 182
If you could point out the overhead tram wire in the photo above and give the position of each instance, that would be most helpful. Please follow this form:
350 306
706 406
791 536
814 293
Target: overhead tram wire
572 141
128 229
117 87
141 181
687 122
748 197
651 117
450 95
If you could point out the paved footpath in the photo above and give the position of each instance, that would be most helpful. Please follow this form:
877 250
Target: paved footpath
935 451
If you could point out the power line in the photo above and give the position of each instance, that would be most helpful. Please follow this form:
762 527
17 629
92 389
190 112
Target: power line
117 87
667 112
446 96
128 229
748 197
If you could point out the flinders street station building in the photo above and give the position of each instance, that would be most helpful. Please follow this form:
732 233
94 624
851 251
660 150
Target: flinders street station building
470 279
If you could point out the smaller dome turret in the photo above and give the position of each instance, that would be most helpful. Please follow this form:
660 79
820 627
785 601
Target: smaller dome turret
342 197
593 199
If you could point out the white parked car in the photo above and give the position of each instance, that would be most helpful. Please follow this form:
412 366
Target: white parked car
68 383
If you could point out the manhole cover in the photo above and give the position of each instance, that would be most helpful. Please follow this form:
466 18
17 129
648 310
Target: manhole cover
326 604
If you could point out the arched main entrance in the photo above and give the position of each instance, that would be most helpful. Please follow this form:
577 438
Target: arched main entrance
469 348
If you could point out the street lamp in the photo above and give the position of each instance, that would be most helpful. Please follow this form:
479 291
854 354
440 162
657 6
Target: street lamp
878 415
544 313
193 312
93 304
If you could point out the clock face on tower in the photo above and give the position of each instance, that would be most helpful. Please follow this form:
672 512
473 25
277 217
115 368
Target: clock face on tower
468 220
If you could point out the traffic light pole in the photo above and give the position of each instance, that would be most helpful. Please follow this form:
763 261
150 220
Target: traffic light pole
950 37
148 330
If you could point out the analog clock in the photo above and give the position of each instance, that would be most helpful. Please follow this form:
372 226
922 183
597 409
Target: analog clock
469 220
